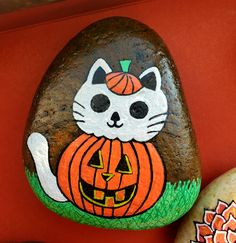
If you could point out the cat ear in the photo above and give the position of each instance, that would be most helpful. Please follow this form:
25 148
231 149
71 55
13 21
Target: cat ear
151 78
98 72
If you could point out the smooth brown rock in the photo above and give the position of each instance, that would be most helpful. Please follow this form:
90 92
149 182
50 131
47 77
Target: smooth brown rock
118 40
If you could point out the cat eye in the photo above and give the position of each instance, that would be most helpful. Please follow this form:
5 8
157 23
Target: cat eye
138 110
96 161
124 166
100 103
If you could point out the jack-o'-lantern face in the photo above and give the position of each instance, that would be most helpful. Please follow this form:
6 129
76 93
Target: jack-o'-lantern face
109 178
106 190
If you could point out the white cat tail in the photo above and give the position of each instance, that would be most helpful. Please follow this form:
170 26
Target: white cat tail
38 147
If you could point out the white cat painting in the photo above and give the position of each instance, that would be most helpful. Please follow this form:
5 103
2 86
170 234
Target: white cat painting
139 116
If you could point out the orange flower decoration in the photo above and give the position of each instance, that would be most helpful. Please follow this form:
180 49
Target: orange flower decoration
218 226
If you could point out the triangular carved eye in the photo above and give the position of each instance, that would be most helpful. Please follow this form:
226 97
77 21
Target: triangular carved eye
124 166
96 161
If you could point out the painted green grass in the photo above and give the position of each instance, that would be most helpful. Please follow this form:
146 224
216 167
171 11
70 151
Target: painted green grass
175 202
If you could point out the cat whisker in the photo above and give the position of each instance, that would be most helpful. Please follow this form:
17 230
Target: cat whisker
80 120
163 121
157 123
152 131
168 133
157 115
76 112
76 102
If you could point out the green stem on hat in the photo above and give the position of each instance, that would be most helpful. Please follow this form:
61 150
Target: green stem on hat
125 65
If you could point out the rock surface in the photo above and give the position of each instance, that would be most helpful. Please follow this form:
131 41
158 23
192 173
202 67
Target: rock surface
216 202
127 48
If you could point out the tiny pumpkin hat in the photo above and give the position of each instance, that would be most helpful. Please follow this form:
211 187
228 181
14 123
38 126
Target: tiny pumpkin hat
123 83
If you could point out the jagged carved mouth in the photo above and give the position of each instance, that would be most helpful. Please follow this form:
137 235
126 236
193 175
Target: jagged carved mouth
107 198
114 125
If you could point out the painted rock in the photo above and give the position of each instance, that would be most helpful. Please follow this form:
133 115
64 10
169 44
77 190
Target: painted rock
213 217
109 141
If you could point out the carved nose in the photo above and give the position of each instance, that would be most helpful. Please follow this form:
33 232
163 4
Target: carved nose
107 176
115 117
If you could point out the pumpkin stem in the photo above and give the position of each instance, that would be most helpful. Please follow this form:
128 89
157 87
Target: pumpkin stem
125 65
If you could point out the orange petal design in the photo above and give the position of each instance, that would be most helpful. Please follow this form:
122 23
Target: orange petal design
220 207
218 226
230 224
208 216
220 237
202 230
230 210
217 222
231 237
208 239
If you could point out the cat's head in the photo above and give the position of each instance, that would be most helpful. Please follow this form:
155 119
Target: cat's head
103 110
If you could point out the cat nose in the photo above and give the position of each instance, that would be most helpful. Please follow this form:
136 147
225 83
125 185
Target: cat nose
115 117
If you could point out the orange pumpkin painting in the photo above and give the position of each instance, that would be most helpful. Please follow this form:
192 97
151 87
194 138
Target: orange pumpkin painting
109 178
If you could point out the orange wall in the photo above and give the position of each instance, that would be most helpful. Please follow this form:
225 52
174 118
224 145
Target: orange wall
201 37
